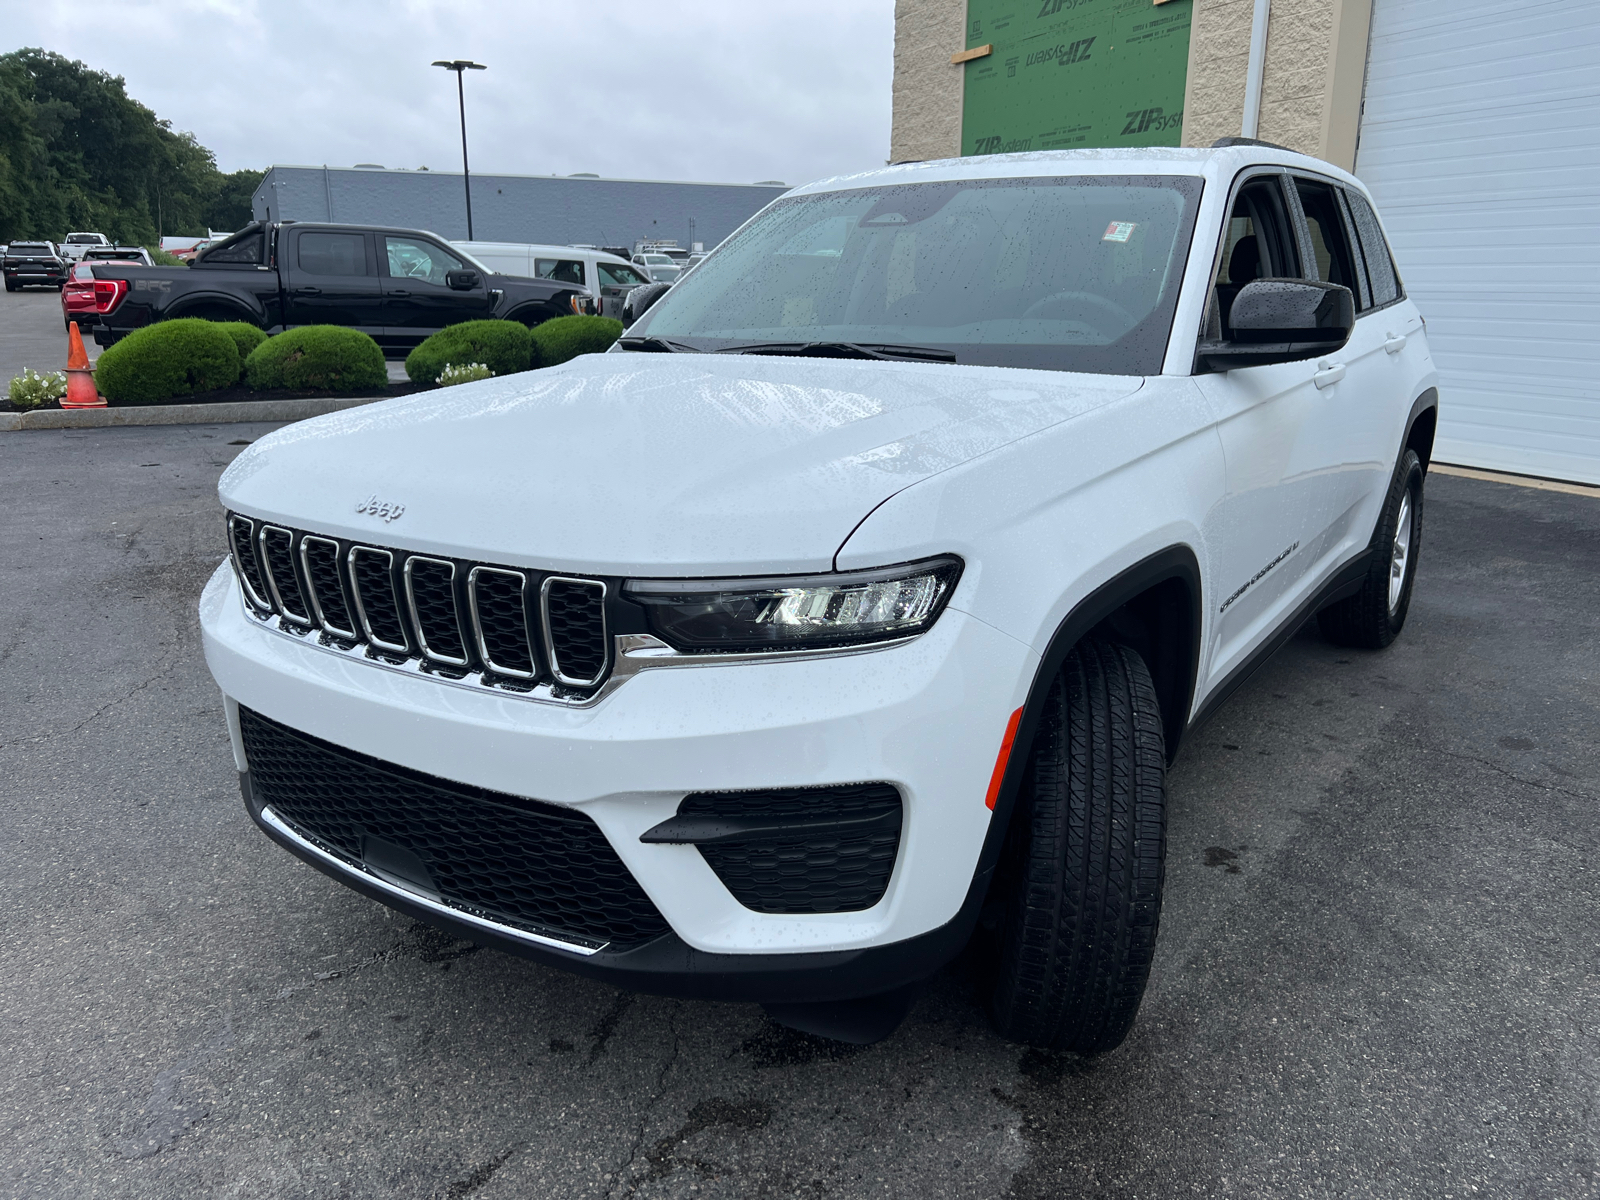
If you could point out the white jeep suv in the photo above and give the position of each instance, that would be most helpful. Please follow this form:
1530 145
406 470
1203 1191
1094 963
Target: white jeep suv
857 601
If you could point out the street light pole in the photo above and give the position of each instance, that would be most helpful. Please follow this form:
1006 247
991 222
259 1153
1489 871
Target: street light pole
461 66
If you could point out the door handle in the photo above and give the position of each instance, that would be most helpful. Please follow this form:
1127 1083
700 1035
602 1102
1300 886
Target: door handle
399 292
1328 374
1396 343
308 291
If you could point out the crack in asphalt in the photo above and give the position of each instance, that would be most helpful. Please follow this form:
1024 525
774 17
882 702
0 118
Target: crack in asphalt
99 712
1512 775
644 1116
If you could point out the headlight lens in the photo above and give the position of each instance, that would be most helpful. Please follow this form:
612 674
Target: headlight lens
798 612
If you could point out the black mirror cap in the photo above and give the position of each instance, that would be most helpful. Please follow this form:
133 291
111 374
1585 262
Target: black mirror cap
637 302
1283 320
463 280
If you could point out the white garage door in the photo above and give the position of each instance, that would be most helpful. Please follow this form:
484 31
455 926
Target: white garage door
1480 140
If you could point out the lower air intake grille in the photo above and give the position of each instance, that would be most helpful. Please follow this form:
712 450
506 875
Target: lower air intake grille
518 862
837 870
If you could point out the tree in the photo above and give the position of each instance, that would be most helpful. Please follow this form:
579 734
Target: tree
76 152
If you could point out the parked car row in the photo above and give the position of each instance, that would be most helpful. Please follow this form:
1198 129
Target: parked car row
50 264
397 285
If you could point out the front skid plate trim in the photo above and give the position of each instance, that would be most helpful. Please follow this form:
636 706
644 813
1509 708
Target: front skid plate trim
373 880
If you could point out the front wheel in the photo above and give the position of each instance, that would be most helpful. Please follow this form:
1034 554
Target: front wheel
1372 618
1082 871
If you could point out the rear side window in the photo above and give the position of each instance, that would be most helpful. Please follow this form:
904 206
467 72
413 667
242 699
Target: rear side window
562 270
333 254
248 247
1380 265
1325 223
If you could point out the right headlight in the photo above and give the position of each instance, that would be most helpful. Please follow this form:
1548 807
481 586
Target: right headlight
796 612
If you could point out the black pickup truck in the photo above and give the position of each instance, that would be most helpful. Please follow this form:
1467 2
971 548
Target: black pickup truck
399 285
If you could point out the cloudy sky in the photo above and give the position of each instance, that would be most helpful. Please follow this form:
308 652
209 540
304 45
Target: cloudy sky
715 90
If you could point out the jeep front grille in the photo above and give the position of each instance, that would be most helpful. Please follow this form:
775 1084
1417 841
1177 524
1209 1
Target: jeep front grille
506 627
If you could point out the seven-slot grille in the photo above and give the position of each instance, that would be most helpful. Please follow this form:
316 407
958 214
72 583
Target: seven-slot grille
515 627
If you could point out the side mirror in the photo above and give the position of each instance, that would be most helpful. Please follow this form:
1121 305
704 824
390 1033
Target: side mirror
638 301
1282 321
463 280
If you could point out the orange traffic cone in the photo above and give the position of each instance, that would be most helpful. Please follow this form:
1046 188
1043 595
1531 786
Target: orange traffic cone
81 391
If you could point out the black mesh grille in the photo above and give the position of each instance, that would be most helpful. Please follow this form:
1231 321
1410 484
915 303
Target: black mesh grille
828 872
277 547
503 619
434 599
518 862
577 628
370 571
321 560
242 532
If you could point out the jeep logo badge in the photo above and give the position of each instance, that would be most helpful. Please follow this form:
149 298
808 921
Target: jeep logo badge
381 508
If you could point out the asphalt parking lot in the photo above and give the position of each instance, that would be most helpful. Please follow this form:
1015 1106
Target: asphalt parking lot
1377 973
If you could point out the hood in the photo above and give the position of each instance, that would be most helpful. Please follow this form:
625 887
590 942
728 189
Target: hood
636 464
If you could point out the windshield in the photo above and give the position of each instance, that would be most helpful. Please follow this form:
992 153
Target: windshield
1073 274
81 239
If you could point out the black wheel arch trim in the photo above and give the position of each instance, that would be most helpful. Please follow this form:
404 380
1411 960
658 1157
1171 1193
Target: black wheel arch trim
1425 404
214 300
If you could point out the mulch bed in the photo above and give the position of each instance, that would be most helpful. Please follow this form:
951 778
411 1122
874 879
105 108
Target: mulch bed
239 393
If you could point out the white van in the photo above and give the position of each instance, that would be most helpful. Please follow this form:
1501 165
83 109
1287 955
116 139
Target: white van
605 276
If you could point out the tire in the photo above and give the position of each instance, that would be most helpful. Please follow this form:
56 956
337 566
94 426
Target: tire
11 285
1081 875
1374 616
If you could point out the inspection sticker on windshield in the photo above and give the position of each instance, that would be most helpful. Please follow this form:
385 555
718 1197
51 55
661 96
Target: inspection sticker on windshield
1118 231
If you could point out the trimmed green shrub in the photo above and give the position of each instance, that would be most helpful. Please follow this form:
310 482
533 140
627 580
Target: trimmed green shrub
330 358
168 359
563 338
505 347
245 335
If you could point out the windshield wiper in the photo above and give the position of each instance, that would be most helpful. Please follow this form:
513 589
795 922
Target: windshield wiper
845 350
656 345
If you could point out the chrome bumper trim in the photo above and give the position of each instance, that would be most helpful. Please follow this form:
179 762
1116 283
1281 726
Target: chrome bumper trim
371 879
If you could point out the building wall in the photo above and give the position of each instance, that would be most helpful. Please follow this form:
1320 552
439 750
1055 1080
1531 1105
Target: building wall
927 86
513 208
1311 86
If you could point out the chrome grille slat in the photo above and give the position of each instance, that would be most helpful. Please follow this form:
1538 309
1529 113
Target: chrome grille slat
377 606
435 618
319 560
572 613
497 599
282 580
242 541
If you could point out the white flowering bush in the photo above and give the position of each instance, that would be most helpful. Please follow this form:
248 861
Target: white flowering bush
463 373
30 389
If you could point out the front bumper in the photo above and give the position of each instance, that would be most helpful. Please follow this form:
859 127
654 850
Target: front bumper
927 716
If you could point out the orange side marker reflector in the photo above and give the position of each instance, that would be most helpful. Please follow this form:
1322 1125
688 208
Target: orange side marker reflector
999 775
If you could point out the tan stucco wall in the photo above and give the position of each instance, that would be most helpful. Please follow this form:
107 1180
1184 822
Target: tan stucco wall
927 87
1311 85
1310 94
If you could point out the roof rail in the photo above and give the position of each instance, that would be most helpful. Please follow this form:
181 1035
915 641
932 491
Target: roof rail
1244 141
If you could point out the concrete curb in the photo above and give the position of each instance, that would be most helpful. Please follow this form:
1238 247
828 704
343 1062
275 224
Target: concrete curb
178 414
